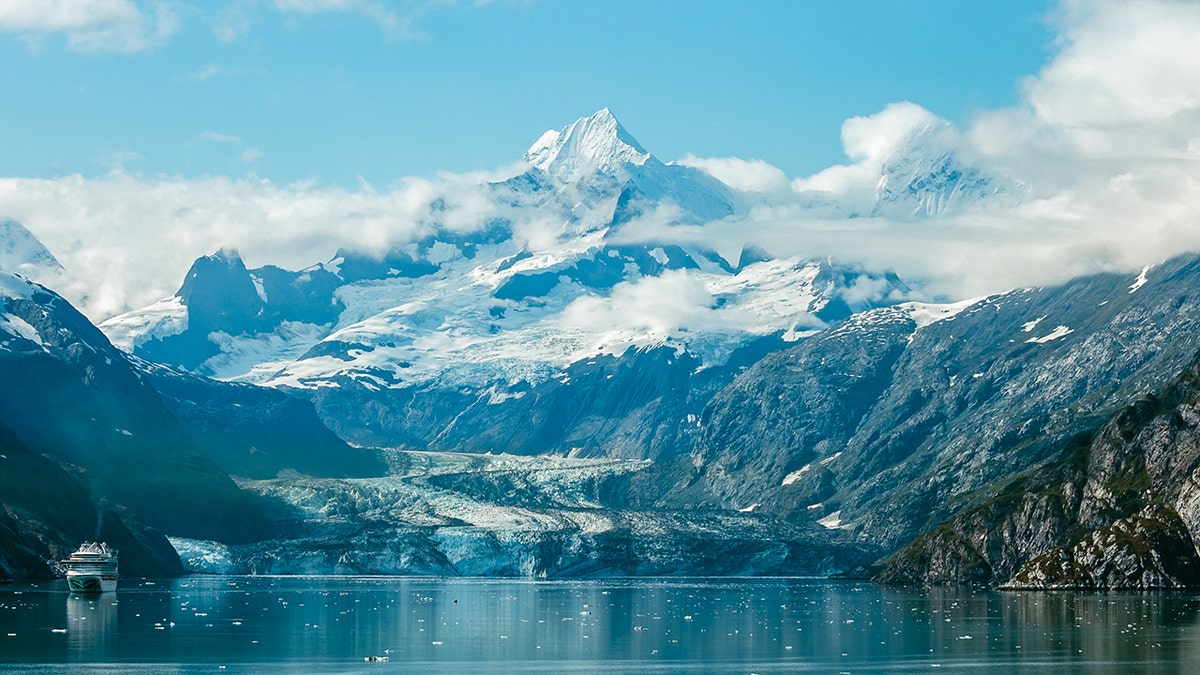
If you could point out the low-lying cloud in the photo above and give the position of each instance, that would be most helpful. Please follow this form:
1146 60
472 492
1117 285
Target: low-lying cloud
1104 145
126 241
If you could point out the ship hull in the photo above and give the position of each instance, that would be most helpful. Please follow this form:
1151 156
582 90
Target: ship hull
91 583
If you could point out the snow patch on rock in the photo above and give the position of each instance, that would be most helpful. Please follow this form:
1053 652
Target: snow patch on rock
1061 331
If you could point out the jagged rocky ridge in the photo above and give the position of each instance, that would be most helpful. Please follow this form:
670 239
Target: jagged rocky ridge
1117 507
90 449
888 429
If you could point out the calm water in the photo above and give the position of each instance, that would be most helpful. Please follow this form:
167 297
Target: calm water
331 624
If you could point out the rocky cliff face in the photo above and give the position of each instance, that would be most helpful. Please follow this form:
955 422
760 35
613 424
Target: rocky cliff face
97 444
1152 549
48 507
977 439
1116 507
254 432
770 436
71 395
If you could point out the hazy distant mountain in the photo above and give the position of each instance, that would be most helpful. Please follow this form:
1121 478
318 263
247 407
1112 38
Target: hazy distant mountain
925 177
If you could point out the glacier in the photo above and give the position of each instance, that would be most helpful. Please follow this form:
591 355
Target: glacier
496 515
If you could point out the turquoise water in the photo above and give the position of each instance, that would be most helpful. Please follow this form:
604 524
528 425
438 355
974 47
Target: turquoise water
215 624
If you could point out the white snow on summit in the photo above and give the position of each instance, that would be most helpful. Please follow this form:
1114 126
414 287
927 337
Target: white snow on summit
16 287
907 166
593 251
594 143
21 252
442 330
163 318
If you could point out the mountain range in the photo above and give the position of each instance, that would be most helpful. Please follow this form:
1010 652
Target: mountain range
577 387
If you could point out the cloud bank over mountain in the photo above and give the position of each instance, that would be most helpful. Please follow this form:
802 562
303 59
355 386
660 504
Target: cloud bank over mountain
1097 168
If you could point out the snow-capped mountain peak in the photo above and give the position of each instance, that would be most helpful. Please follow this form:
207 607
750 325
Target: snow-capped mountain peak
926 176
594 165
21 252
594 143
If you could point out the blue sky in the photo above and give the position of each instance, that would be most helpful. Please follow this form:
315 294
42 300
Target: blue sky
337 90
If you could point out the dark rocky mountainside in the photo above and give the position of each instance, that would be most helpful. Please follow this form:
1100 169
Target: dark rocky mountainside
72 397
634 406
1039 438
1117 507
255 432
93 450
221 295
48 507
887 427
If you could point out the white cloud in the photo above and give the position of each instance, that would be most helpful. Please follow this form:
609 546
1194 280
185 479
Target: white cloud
751 175
1122 63
657 307
126 241
217 137
93 25
63 15
871 140
205 72
251 155
213 70
233 21
117 159
1106 140
1123 92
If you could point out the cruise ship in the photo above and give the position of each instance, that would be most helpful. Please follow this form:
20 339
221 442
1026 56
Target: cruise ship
92 569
